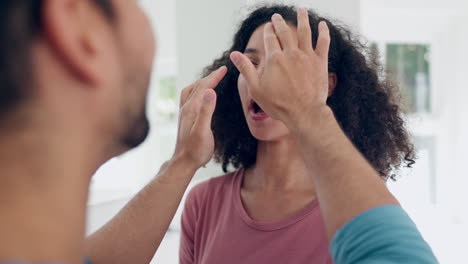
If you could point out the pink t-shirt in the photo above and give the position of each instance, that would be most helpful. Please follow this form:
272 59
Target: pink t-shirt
217 229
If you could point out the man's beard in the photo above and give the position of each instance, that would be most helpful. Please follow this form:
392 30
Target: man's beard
135 131
136 125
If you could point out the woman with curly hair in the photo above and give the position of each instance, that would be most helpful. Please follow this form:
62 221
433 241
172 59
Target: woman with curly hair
266 211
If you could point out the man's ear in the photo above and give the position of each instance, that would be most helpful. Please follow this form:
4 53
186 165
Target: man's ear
72 28
332 82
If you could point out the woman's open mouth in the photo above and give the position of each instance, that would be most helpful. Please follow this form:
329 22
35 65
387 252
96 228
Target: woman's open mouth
256 112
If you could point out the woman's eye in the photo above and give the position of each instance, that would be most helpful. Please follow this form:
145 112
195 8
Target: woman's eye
254 63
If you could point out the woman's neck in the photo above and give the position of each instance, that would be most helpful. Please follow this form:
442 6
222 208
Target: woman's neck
279 167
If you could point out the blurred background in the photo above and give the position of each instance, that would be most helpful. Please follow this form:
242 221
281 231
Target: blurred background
422 42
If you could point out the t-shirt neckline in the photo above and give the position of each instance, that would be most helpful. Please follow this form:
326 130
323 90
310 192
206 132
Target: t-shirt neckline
312 207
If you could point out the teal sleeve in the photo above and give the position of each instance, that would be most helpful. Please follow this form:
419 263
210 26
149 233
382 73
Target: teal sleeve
383 235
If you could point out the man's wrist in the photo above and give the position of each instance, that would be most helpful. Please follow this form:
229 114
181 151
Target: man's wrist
317 129
313 121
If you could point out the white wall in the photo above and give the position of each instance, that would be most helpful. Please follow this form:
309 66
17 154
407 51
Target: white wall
347 11
204 30
163 18
462 120
442 24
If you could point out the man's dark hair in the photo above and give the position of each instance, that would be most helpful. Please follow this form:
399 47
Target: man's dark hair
20 23
364 103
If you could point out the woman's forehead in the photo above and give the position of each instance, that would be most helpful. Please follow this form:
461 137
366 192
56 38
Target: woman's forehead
256 41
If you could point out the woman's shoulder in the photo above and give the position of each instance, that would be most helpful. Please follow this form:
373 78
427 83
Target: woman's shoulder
214 188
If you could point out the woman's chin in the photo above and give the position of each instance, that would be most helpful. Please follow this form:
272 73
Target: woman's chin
267 135
263 138
268 130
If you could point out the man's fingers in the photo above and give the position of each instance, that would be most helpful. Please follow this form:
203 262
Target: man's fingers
272 44
304 33
202 124
209 82
246 68
284 32
323 42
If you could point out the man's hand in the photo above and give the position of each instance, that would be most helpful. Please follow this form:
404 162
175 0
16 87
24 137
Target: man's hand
195 142
295 80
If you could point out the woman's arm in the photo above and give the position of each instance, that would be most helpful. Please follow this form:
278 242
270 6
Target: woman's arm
134 235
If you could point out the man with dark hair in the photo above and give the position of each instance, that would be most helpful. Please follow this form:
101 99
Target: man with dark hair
74 76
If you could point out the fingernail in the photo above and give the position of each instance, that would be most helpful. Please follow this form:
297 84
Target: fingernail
208 97
235 57
323 24
276 15
221 68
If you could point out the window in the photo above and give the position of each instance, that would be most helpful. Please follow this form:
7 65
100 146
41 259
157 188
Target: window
167 98
408 65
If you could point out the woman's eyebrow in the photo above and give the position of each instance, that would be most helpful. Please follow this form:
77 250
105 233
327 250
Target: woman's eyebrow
250 50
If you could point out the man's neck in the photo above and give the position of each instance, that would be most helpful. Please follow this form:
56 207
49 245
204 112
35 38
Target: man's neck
44 180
